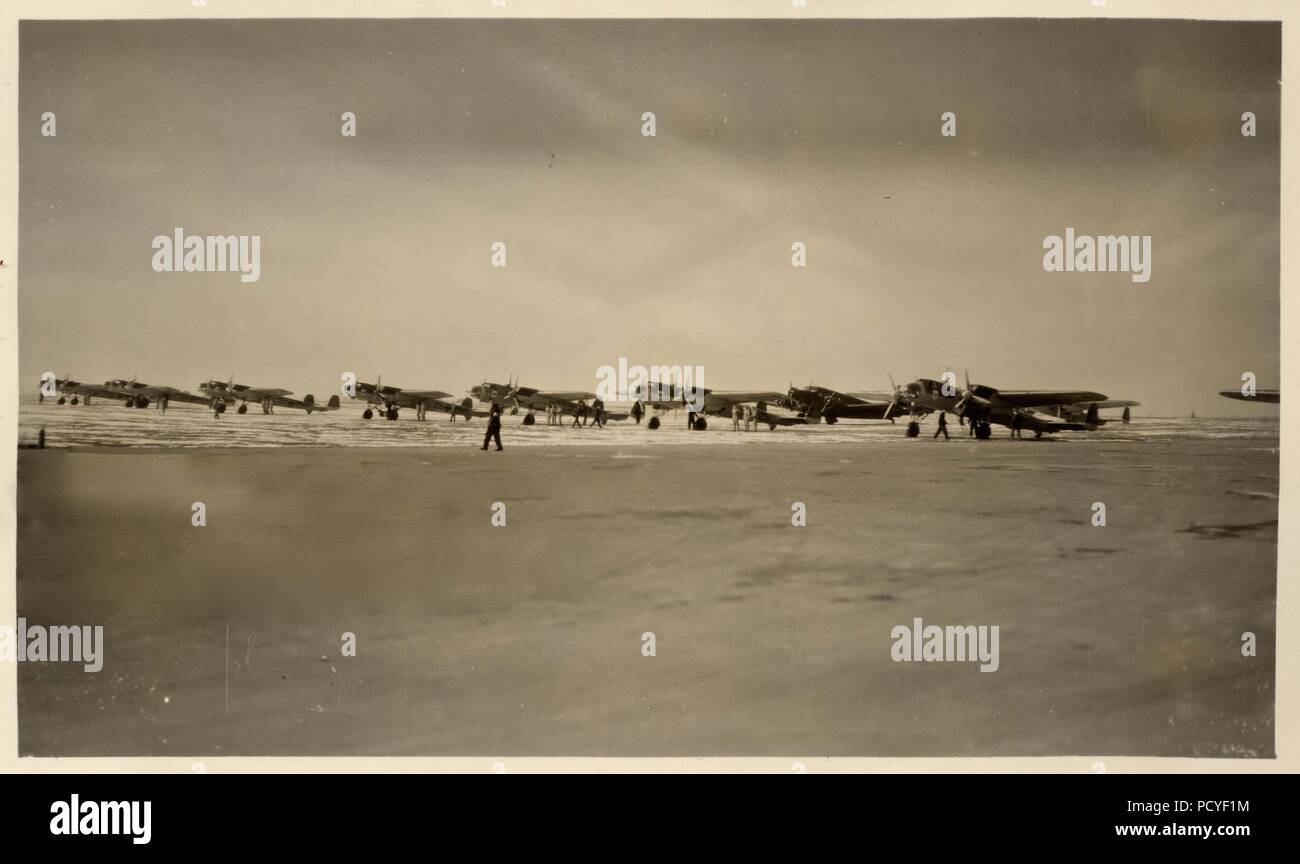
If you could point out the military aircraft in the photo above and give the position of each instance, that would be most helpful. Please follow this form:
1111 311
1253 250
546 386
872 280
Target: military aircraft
833 406
223 393
982 405
139 395
532 400
393 398
699 401
68 391
1269 396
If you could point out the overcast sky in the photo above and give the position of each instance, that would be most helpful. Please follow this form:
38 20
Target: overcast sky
924 252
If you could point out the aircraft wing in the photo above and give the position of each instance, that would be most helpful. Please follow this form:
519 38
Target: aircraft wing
411 398
740 397
871 397
786 420
862 411
561 396
184 396
99 392
1270 396
1035 398
257 394
172 395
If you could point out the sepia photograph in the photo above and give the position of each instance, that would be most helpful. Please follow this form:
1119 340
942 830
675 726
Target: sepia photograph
648 387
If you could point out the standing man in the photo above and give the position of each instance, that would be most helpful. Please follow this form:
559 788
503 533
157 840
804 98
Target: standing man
493 429
943 426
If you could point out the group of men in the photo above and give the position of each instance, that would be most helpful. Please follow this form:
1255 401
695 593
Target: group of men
554 417
746 414
582 412
1017 425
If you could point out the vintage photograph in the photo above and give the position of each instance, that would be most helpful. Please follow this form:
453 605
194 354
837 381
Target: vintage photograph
647 388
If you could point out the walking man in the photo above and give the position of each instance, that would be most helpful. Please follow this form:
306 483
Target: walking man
493 429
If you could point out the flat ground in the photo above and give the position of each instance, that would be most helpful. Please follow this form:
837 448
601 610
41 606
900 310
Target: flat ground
770 639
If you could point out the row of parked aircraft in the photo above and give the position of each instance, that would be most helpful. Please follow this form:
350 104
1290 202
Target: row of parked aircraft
217 395
1037 411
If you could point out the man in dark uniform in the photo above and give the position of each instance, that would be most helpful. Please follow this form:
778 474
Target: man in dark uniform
493 429
943 426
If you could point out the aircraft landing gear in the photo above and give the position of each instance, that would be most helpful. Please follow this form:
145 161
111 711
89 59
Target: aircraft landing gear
653 423
367 414
74 400
529 419
141 402
61 401
983 431
913 429
391 413
243 408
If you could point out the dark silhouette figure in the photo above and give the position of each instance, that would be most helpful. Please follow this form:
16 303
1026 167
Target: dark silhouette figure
943 426
637 412
493 429
1015 425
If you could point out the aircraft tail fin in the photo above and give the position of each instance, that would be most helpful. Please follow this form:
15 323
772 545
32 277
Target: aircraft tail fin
1092 419
309 399
1126 416
334 401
